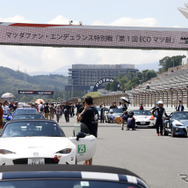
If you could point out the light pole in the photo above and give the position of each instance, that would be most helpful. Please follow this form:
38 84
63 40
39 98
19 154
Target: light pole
72 89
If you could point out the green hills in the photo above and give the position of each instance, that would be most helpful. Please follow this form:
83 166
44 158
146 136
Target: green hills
12 81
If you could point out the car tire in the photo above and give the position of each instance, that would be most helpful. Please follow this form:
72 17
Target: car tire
172 133
74 134
165 133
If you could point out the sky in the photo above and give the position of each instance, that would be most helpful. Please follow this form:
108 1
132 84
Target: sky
154 13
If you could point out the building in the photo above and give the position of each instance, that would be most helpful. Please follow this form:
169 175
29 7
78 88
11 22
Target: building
83 77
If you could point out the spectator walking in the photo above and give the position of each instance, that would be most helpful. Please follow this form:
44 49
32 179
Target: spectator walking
67 112
89 117
58 113
46 111
159 114
41 107
52 111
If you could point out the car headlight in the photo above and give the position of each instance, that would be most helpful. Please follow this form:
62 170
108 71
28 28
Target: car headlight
65 151
178 125
4 151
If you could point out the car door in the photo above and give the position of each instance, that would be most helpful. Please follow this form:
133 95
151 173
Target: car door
86 147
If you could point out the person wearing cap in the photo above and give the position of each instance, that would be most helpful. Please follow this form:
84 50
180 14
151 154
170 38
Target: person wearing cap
159 112
180 106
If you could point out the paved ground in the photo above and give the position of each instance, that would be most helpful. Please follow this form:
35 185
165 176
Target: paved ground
158 160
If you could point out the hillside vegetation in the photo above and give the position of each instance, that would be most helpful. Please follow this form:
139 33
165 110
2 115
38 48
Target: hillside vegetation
12 81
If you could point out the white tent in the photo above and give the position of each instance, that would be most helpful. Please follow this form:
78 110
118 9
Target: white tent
7 96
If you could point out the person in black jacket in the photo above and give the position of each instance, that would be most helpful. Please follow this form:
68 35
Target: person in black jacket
159 113
180 107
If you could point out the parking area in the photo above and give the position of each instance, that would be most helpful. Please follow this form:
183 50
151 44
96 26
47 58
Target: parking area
159 160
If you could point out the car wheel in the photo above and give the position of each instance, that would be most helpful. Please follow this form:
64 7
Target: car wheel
165 133
74 134
172 134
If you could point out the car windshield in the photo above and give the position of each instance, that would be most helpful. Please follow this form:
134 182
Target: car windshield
28 116
71 183
180 116
142 112
25 111
32 128
117 110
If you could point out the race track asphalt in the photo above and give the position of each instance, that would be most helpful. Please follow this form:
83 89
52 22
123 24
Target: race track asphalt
159 160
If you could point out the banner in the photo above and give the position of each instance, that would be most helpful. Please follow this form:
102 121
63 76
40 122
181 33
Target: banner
30 92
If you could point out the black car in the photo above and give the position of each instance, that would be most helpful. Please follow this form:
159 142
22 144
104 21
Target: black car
69 176
176 124
25 111
28 116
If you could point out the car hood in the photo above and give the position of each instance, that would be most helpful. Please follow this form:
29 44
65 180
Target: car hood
140 117
184 122
28 145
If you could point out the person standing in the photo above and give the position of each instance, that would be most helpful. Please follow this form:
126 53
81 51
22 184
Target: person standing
180 107
141 107
102 117
41 107
5 107
78 106
67 112
159 114
52 111
80 111
46 111
58 113
1 116
124 119
89 117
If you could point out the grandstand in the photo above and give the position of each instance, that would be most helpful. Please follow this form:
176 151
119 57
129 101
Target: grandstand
169 87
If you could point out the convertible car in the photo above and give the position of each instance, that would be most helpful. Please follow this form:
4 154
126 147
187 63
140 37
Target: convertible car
42 142
69 176
143 118
113 114
176 124
28 116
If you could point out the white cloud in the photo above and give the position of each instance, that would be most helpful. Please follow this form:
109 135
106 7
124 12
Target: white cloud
147 22
35 59
18 18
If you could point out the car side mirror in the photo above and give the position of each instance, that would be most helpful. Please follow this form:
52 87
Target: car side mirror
80 135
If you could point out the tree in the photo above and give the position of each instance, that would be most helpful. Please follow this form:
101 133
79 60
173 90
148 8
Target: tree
114 85
107 87
168 62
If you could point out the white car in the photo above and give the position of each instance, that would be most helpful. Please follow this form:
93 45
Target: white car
144 118
43 142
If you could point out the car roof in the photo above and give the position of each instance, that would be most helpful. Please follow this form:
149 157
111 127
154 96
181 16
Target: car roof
70 172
